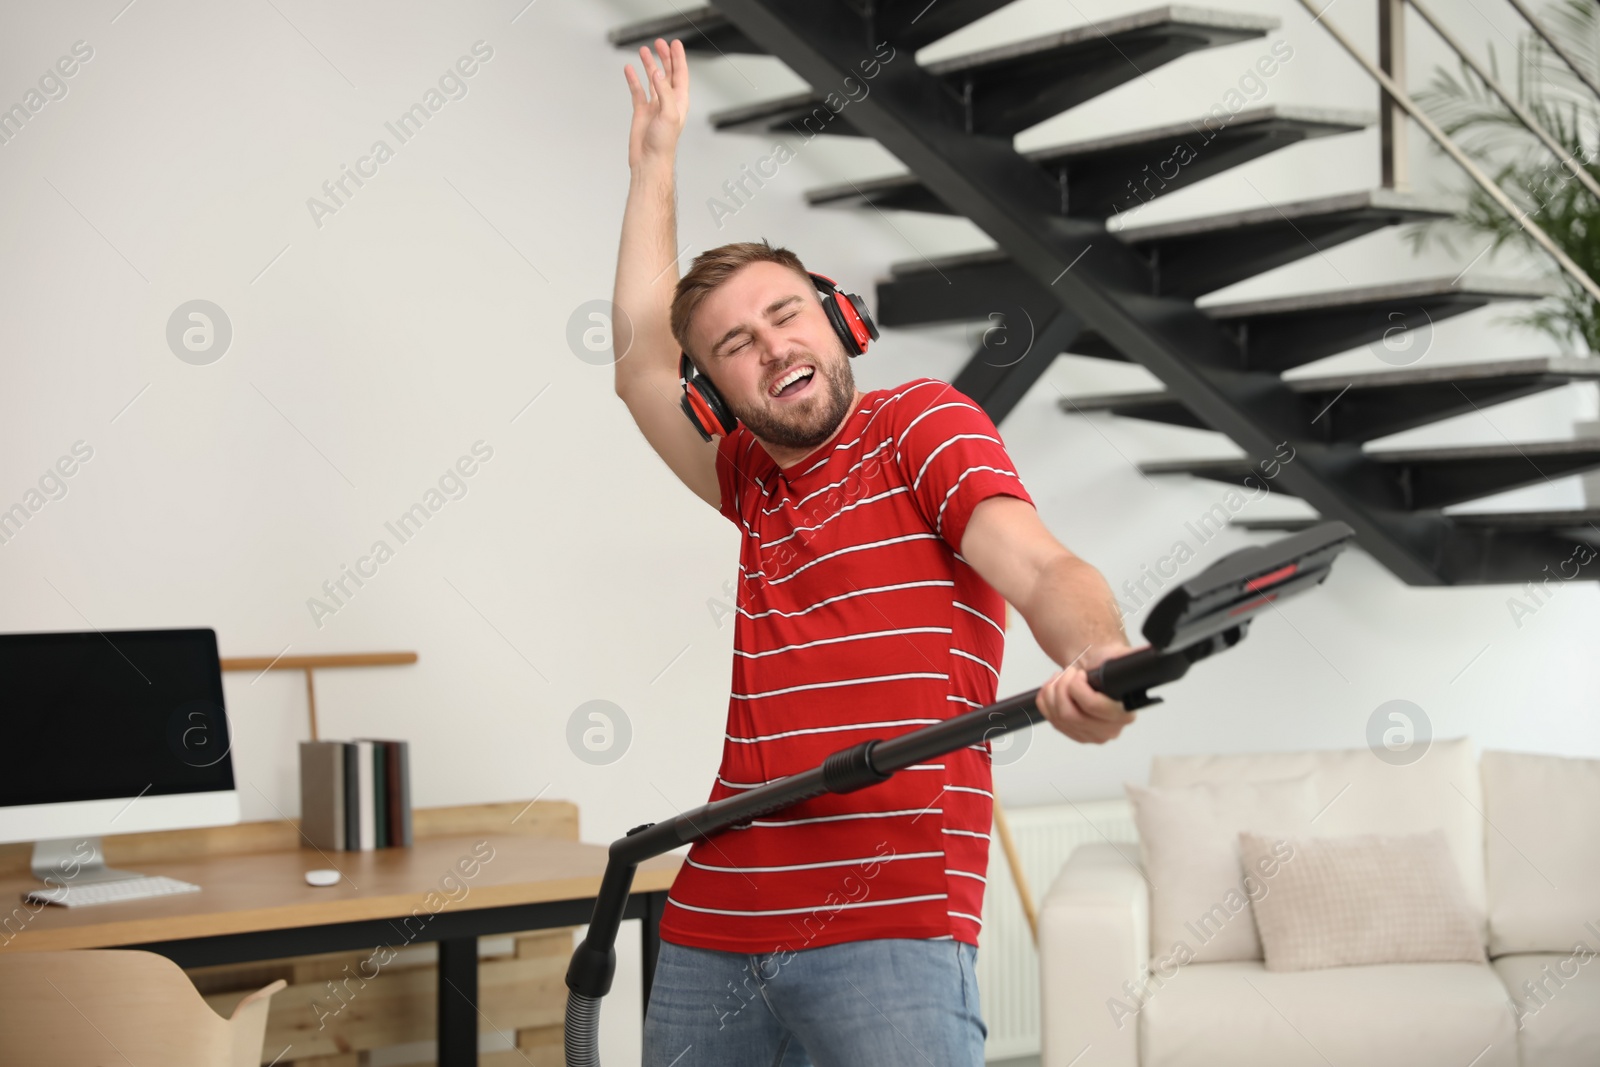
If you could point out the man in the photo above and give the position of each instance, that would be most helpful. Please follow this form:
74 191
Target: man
882 536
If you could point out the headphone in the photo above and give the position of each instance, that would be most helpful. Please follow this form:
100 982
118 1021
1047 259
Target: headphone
705 406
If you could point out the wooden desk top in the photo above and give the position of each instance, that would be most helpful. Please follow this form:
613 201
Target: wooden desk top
268 891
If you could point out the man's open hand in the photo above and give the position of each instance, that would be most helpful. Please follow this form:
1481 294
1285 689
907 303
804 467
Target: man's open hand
658 115
1076 708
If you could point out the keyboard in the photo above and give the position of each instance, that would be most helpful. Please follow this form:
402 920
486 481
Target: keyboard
77 896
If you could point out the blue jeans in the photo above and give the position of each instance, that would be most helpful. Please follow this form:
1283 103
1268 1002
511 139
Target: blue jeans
878 1003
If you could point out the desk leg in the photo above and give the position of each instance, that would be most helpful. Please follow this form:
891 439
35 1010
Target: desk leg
650 930
458 1002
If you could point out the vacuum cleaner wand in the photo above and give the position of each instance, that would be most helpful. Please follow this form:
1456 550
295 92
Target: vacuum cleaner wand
1206 614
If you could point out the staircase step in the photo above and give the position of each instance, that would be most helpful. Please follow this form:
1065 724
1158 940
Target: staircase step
1282 332
803 114
701 29
1576 522
1013 86
1584 519
909 25
1360 407
958 288
1097 176
1192 257
1430 478
1189 256
913 24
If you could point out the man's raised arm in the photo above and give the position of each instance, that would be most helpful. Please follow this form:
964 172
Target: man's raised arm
647 273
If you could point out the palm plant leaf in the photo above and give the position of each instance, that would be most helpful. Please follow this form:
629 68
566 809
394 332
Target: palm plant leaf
1540 185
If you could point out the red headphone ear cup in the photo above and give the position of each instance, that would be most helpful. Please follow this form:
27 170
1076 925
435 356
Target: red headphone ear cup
850 318
718 408
862 328
851 335
694 406
703 404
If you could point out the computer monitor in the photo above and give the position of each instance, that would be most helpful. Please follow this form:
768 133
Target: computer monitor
110 732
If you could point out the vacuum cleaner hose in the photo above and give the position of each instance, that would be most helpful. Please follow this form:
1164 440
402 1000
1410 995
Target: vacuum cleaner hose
583 1030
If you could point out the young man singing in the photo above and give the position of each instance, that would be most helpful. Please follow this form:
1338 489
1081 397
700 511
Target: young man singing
882 535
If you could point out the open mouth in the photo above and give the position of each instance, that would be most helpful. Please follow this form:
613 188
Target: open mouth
797 382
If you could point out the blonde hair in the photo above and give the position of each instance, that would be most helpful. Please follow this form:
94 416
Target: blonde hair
715 266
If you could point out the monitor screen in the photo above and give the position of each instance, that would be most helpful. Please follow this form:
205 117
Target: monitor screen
114 714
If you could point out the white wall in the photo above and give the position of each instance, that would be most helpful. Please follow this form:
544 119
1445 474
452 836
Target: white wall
371 351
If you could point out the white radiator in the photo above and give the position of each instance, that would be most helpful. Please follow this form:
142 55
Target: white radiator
1008 965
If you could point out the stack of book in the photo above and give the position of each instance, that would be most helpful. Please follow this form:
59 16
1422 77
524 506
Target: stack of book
355 795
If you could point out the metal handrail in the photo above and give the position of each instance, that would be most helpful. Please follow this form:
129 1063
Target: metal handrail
1444 141
1556 47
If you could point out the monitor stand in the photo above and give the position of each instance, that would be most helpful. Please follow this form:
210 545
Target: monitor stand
53 860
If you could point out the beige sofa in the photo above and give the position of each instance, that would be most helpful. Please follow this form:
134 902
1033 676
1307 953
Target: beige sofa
1525 834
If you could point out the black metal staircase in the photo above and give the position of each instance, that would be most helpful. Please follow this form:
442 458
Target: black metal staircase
1127 293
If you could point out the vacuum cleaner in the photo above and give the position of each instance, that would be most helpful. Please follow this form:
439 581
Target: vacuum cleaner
1208 613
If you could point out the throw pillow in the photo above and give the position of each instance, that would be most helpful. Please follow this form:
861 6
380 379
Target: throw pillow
1189 842
1363 899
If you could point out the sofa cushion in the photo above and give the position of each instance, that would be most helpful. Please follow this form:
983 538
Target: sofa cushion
1543 850
1357 793
1189 842
1410 1014
1556 997
1364 899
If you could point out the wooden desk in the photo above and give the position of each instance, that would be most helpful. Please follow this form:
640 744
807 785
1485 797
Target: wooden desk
450 889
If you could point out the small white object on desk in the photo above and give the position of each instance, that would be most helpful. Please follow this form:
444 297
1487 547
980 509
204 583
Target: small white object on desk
322 876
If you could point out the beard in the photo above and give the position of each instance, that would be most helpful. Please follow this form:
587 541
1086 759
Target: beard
809 422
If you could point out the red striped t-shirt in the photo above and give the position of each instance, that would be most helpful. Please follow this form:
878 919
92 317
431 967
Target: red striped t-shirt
857 618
